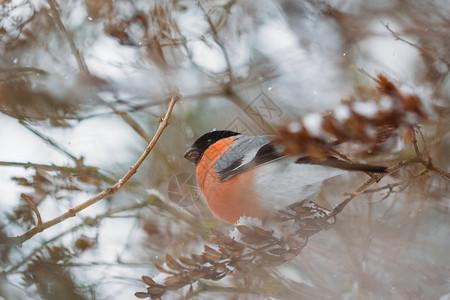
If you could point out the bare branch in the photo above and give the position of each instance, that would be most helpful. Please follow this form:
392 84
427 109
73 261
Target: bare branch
33 207
108 191
427 52
88 170
426 159
50 142
86 222
217 40
362 188
79 58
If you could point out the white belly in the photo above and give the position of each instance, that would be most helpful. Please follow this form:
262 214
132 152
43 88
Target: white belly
282 183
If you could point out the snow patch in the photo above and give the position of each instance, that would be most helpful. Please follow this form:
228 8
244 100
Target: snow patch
160 278
294 127
341 113
280 230
313 122
366 109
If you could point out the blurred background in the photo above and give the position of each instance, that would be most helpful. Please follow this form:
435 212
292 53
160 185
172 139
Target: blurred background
83 83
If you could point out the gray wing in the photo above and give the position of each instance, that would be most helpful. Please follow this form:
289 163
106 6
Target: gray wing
247 153
252 151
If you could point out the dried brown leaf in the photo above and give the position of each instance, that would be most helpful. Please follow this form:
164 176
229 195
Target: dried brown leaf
83 243
240 263
22 181
245 230
218 276
187 261
277 251
289 256
172 263
190 293
211 257
254 240
211 251
141 295
162 270
198 258
235 247
148 281
177 281
266 234
196 274
156 291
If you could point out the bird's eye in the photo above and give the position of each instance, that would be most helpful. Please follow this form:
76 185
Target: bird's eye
209 141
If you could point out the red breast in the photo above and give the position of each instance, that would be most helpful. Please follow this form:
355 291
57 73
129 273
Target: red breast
230 199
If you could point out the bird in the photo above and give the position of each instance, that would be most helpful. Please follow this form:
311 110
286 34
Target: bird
249 176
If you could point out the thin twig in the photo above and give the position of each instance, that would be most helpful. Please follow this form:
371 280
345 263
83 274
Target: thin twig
130 121
85 170
85 70
362 188
402 185
204 287
125 116
338 208
20 72
427 52
86 222
217 40
429 163
426 161
228 86
105 193
363 72
78 57
50 142
33 207
438 171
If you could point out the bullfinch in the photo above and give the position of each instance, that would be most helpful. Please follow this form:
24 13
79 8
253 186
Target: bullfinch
242 175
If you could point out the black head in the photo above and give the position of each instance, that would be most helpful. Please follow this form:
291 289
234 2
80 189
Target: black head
195 153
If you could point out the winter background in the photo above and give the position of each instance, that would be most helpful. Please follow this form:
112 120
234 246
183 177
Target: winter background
83 83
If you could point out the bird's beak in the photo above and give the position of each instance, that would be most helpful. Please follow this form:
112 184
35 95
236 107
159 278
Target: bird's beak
192 155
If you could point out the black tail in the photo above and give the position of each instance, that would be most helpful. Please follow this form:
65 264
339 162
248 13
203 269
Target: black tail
342 164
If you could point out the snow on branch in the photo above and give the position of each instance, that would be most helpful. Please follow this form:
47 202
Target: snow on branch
370 122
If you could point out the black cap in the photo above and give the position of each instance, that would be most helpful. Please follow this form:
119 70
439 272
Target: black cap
195 153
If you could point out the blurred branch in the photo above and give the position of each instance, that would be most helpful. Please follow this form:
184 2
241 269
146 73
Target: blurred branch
362 188
83 67
391 188
33 207
56 16
136 127
200 227
426 159
107 192
427 52
226 87
118 263
51 142
135 108
86 222
131 122
88 170
419 158
204 287
18 72
217 40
